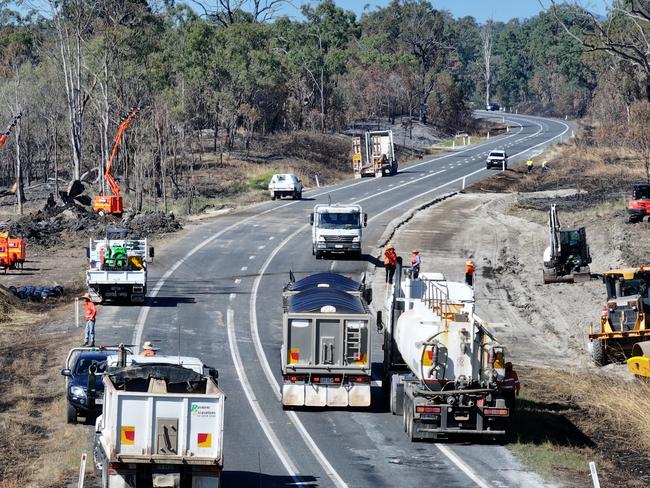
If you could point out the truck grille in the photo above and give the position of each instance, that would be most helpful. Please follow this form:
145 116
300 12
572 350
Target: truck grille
340 239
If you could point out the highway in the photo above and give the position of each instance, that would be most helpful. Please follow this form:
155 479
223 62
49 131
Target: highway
216 294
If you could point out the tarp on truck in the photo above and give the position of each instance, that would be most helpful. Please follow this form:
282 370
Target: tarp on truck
331 280
317 299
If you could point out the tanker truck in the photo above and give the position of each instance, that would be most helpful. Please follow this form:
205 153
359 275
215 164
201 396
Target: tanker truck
443 370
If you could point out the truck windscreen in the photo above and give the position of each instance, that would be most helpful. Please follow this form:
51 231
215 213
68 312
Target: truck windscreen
339 220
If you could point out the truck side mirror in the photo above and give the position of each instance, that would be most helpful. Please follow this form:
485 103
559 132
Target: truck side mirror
151 252
87 249
311 219
367 295
66 372
365 219
380 323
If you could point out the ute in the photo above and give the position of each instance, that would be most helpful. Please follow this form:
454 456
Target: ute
497 159
639 206
623 319
567 258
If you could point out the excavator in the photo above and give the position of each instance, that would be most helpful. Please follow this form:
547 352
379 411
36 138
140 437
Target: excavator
112 204
567 258
5 133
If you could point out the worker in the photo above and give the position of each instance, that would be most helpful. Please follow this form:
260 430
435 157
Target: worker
416 261
91 314
529 166
544 166
50 202
469 272
390 262
510 385
148 349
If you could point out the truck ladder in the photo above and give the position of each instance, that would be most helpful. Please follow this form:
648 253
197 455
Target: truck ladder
352 344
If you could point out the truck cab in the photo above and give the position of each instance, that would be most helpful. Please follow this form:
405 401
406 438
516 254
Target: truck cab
337 229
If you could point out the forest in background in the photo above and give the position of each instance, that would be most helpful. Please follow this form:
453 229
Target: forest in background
214 76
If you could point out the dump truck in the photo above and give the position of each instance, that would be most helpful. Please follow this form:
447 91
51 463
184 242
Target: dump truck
444 371
623 320
326 342
117 267
161 425
337 229
639 207
374 154
567 257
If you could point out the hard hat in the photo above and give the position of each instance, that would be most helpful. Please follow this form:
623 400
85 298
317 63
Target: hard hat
389 246
148 346
86 296
469 262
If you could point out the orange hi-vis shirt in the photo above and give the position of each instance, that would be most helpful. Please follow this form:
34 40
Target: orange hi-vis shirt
91 311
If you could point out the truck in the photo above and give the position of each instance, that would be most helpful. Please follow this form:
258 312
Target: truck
285 185
337 229
444 372
374 154
326 342
497 158
161 425
117 267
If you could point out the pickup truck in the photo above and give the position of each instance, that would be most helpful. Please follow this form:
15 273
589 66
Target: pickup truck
497 159
285 185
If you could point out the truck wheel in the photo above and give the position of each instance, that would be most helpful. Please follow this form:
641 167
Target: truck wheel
71 414
396 403
299 195
599 354
273 196
318 255
405 409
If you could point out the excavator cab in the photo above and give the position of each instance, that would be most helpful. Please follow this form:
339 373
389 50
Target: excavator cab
639 206
623 320
567 257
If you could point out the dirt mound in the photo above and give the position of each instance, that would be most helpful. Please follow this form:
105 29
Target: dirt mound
569 203
151 223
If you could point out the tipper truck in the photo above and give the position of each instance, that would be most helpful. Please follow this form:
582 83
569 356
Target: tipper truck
443 370
374 154
326 331
161 425
117 267
337 229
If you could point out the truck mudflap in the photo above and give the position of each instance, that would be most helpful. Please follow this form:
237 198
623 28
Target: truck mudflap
314 395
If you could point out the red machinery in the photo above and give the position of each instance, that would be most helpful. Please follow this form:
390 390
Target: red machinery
639 206
5 134
112 204
12 252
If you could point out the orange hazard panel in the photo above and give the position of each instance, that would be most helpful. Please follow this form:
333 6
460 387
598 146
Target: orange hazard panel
204 440
128 435
294 355
428 358
360 358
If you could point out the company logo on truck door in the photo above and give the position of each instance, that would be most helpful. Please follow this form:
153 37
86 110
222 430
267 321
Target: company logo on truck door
206 410
127 437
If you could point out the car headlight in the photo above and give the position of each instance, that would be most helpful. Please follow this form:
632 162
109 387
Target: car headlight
78 391
321 238
356 239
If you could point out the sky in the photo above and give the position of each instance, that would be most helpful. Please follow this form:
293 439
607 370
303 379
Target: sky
481 10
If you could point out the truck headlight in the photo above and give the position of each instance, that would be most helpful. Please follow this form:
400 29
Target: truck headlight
78 391
356 239
321 238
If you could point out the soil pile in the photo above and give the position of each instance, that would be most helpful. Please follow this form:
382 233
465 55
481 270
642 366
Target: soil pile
151 223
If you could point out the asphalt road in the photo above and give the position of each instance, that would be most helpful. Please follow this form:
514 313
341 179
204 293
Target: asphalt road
216 294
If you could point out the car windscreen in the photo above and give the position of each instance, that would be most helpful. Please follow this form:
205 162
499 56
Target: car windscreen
642 193
497 154
339 220
83 365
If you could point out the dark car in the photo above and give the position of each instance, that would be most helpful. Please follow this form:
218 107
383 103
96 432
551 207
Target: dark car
85 390
492 107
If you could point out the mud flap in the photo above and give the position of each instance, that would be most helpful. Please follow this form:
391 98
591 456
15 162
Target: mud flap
337 396
293 395
315 396
359 396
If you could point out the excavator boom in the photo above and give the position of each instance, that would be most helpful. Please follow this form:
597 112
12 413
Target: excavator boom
5 133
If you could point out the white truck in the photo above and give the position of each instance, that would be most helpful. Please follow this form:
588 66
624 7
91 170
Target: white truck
337 229
161 425
285 185
327 331
443 370
374 154
117 267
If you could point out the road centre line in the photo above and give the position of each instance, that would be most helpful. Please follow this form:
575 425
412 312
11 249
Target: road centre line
142 316
254 404
255 330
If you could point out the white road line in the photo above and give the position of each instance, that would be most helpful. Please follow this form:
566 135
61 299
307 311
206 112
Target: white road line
232 296
463 466
244 268
237 281
252 401
261 247
271 238
251 257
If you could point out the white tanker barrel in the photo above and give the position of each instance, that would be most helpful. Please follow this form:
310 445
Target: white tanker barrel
413 329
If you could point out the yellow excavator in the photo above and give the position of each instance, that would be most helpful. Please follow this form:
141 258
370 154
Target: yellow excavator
624 332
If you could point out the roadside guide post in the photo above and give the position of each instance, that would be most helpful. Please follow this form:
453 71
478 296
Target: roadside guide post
82 470
488 135
503 165
464 182
76 312
594 474
317 182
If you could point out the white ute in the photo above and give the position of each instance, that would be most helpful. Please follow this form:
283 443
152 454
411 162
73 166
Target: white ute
285 185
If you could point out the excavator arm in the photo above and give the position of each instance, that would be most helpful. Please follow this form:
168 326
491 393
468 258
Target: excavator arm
5 133
115 189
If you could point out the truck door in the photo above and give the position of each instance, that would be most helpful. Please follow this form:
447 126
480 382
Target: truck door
328 340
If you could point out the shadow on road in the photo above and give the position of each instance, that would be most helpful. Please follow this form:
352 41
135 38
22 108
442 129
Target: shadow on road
168 301
260 480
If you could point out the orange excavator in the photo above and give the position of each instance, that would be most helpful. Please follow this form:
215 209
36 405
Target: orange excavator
5 133
112 204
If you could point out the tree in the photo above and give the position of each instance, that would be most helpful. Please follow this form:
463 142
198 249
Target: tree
487 34
639 132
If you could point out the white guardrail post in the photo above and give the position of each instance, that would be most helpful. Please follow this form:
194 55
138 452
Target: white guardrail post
317 182
82 471
76 312
464 177
594 474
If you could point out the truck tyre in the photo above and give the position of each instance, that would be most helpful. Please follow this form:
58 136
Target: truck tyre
396 403
318 255
599 354
299 195
273 196
313 250
71 414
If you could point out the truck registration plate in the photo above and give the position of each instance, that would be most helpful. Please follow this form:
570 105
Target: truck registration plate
338 246
99 401
327 380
